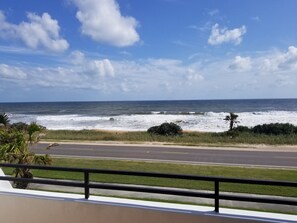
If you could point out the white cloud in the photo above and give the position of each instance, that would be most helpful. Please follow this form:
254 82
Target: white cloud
202 28
288 59
219 36
193 75
128 86
280 61
267 65
240 64
100 67
213 12
156 76
77 57
10 72
256 18
103 22
38 32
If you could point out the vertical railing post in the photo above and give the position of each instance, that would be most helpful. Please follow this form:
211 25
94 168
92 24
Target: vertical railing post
217 198
87 180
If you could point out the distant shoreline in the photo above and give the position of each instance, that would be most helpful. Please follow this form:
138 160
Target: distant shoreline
191 115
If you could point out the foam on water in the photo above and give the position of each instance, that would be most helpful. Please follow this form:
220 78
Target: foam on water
209 121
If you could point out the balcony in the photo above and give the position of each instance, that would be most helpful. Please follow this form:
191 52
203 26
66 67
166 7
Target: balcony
39 206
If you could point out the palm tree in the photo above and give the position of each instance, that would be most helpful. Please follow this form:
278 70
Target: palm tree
231 118
14 148
34 131
4 119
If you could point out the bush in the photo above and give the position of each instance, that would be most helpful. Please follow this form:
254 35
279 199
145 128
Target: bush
167 129
20 126
275 129
242 129
237 131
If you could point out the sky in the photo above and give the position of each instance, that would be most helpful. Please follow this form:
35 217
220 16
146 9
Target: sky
115 50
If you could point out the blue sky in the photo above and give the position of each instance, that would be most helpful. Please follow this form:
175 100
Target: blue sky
94 50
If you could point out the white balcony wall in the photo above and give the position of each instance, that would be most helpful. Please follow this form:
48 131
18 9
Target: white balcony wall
47 207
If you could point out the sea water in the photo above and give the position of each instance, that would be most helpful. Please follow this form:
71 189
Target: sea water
195 115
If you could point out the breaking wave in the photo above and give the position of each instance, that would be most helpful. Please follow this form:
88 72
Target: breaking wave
193 121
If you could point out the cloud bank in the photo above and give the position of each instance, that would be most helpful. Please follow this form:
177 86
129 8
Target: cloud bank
39 32
254 75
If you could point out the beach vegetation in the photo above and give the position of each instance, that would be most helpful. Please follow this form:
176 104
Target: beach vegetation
272 129
31 128
166 129
14 148
190 138
241 129
275 129
34 132
4 119
19 126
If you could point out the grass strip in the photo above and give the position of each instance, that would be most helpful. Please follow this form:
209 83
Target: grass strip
222 171
188 138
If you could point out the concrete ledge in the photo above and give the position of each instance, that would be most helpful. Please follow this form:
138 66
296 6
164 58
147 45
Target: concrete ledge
39 206
4 184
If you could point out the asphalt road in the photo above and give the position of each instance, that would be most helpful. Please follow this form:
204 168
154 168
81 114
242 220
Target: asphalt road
287 159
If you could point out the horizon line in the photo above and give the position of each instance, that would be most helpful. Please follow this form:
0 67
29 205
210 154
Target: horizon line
148 100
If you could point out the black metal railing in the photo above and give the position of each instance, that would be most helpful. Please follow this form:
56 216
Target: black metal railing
87 185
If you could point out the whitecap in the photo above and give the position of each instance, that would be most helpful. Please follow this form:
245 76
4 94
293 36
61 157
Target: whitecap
209 122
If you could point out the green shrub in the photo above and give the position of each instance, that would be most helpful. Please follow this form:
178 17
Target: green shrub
236 131
167 129
4 119
275 129
242 129
20 126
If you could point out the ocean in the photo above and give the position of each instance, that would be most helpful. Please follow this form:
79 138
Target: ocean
195 115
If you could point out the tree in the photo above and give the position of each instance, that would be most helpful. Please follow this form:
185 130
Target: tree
34 131
14 148
231 118
4 119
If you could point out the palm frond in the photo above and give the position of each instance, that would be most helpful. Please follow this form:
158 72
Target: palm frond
4 119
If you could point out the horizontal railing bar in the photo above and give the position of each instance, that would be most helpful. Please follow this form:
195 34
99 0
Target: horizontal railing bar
43 181
67 169
258 199
151 190
157 175
114 172
258 182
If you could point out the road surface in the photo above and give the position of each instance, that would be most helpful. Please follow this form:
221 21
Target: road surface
197 155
